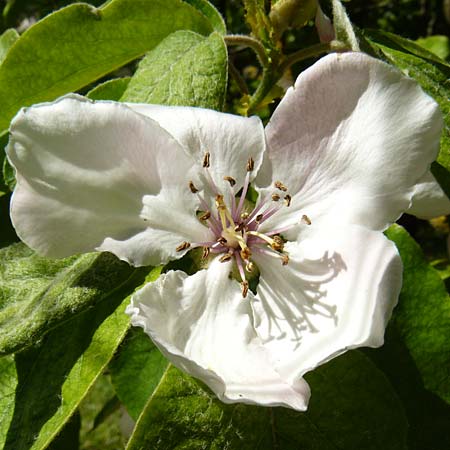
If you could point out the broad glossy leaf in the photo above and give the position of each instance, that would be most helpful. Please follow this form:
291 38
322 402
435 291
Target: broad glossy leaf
437 44
79 44
184 69
38 294
137 370
7 39
55 375
353 407
422 316
428 415
109 90
427 69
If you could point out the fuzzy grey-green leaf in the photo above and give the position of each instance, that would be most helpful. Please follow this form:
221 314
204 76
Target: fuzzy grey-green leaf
184 69
38 294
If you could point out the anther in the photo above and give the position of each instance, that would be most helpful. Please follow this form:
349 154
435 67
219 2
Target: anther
277 244
250 164
285 260
306 219
279 185
205 216
259 218
183 246
206 159
239 227
246 253
250 267
225 257
221 240
244 215
287 200
275 197
219 202
206 251
230 180
244 288
192 187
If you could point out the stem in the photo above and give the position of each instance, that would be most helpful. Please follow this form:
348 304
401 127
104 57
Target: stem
304 53
263 89
237 77
247 41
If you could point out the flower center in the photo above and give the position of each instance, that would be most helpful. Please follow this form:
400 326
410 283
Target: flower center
236 229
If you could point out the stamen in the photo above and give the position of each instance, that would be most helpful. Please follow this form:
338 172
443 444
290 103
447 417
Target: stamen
259 217
245 253
183 246
206 252
287 200
285 259
239 227
230 180
279 185
221 240
244 288
206 159
250 164
226 257
275 197
244 215
244 193
250 266
277 244
192 187
306 219
205 216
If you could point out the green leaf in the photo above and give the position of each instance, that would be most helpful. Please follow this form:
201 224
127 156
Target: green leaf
353 407
7 39
109 90
55 375
427 69
439 45
185 69
8 385
423 315
79 44
136 371
211 13
38 294
428 415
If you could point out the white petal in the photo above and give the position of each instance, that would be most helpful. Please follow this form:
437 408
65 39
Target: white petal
203 325
230 139
429 199
337 292
350 141
324 26
84 170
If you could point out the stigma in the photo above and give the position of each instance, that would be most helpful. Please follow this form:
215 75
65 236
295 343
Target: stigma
235 226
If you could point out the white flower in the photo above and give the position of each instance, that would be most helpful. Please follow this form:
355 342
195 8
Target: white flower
335 166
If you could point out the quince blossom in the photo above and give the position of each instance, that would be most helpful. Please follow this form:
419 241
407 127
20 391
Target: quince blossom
288 283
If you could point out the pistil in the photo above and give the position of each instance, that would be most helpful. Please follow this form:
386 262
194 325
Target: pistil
235 230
